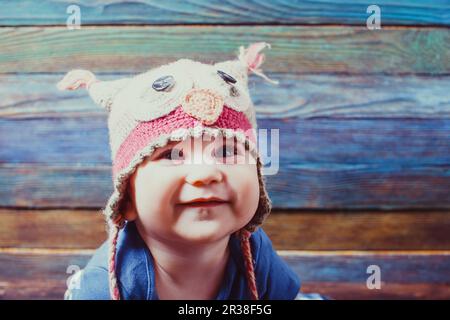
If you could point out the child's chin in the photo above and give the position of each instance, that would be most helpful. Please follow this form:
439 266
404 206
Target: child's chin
202 231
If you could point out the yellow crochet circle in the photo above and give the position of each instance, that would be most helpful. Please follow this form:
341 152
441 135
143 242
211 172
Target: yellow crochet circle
204 105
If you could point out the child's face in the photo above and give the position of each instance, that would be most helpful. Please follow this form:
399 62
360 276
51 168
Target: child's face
183 172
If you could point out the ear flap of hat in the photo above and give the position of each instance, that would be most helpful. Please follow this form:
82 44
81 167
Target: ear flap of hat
102 92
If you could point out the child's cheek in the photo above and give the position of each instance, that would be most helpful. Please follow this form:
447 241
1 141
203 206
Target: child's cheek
155 187
244 181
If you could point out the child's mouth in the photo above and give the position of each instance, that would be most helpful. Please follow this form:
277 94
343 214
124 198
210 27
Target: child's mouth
204 204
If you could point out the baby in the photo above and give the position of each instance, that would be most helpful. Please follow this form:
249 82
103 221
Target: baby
189 198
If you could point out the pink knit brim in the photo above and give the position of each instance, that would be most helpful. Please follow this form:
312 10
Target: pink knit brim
147 131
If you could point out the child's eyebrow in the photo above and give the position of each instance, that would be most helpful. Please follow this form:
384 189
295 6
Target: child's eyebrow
159 151
171 144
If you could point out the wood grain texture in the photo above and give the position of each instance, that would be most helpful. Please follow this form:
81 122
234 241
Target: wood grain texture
390 291
288 230
359 230
299 183
308 187
403 275
364 119
299 96
54 229
37 276
43 275
295 49
401 12
345 142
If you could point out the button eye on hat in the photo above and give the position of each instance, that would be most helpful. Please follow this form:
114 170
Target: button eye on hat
164 83
226 77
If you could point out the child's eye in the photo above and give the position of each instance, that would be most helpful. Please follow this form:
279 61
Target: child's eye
172 154
226 151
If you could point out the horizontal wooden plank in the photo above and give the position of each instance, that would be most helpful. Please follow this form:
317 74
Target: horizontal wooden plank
288 230
306 143
351 266
335 186
34 96
37 276
43 275
359 230
296 49
401 12
404 275
55 229
294 186
391 291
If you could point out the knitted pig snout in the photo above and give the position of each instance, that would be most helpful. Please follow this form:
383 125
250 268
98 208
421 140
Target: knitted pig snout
203 104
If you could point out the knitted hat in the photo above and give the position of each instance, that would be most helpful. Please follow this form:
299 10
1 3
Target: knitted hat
182 99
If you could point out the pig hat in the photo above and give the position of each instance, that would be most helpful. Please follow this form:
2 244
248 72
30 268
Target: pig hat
172 102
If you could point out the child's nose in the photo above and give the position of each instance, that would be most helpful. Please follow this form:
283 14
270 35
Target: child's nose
203 175
204 105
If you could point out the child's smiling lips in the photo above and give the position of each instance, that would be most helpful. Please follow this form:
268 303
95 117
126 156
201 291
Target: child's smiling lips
204 202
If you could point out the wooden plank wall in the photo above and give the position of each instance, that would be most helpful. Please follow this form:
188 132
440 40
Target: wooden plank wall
364 119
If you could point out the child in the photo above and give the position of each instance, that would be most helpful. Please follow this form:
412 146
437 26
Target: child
181 228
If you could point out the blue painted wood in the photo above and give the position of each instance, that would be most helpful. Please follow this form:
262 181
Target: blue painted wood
324 163
304 96
326 186
345 142
332 119
395 268
315 143
337 276
402 12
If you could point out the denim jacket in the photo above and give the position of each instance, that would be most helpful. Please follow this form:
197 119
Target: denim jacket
135 271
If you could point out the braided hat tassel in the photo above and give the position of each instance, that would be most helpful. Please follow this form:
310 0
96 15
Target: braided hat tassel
113 283
248 261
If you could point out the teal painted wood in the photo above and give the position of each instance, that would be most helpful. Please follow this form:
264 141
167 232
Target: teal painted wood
402 12
295 49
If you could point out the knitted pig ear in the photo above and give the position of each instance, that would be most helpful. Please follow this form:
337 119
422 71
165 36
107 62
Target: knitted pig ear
102 92
253 59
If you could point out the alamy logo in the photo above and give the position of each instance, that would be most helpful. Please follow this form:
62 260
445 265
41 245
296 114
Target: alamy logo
73 282
374 280
374 20
74 20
